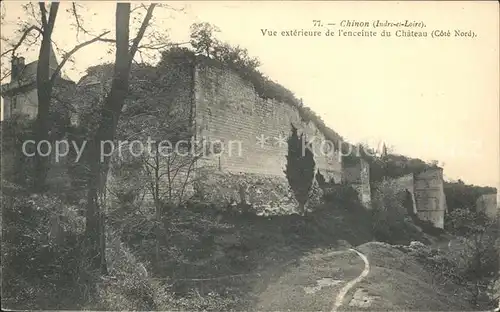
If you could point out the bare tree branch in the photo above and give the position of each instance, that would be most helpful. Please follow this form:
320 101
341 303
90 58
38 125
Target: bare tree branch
70 53
23 37
5 74
79 26
142 30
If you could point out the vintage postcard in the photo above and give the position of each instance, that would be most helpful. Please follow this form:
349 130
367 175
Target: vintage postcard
250 155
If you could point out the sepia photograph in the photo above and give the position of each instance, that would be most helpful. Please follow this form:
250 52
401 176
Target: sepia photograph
250 156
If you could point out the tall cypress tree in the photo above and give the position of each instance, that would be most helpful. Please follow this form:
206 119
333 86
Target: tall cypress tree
299 168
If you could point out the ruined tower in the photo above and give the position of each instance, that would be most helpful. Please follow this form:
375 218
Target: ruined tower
429 196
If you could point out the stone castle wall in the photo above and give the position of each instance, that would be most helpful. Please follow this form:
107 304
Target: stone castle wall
173 98
358 176
229 109
251 133
426 188
226 112
407 182
488 203
429 196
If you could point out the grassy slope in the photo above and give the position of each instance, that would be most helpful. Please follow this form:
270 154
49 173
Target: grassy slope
400 282
289 292
265 262
396 281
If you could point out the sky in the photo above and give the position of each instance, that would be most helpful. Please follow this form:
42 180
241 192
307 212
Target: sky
429 98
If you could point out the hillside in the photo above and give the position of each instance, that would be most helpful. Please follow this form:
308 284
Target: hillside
395 281
398 281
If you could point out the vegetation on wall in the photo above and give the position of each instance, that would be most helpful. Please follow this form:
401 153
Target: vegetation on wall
464 196
394 165
300 167
479 256
199 256
238 59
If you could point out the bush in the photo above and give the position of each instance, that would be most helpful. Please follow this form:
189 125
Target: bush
391 222
427 226
16 166
128 285
442 265
479 253
299 168
42 257
44 261
341 195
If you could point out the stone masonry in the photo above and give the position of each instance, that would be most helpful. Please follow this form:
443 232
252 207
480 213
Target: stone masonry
426 188
488 204
358 176
228 109
252 134
248 134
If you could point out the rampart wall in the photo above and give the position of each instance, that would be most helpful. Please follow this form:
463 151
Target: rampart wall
488 204
253 133
229 109
358 176
428 196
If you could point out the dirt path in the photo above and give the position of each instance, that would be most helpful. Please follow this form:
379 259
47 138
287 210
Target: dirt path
319 282
340 297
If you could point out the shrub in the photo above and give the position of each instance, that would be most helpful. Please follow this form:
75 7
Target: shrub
42 257
128 285
427 226
390 219
16 166
479 253
299 168
442 265
341 195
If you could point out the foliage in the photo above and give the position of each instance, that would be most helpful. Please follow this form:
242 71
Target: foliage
299 167
238 59
215 258
394 165
202 37
44 265
341 195
16 166
41 253
441 264
128 285
391 222
427 226
480 252
464 196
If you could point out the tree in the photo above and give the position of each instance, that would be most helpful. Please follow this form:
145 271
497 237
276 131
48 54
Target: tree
42 24
108 122
463 196
204 42
320 179
156 114
235 57
480 252
300 167
202 37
